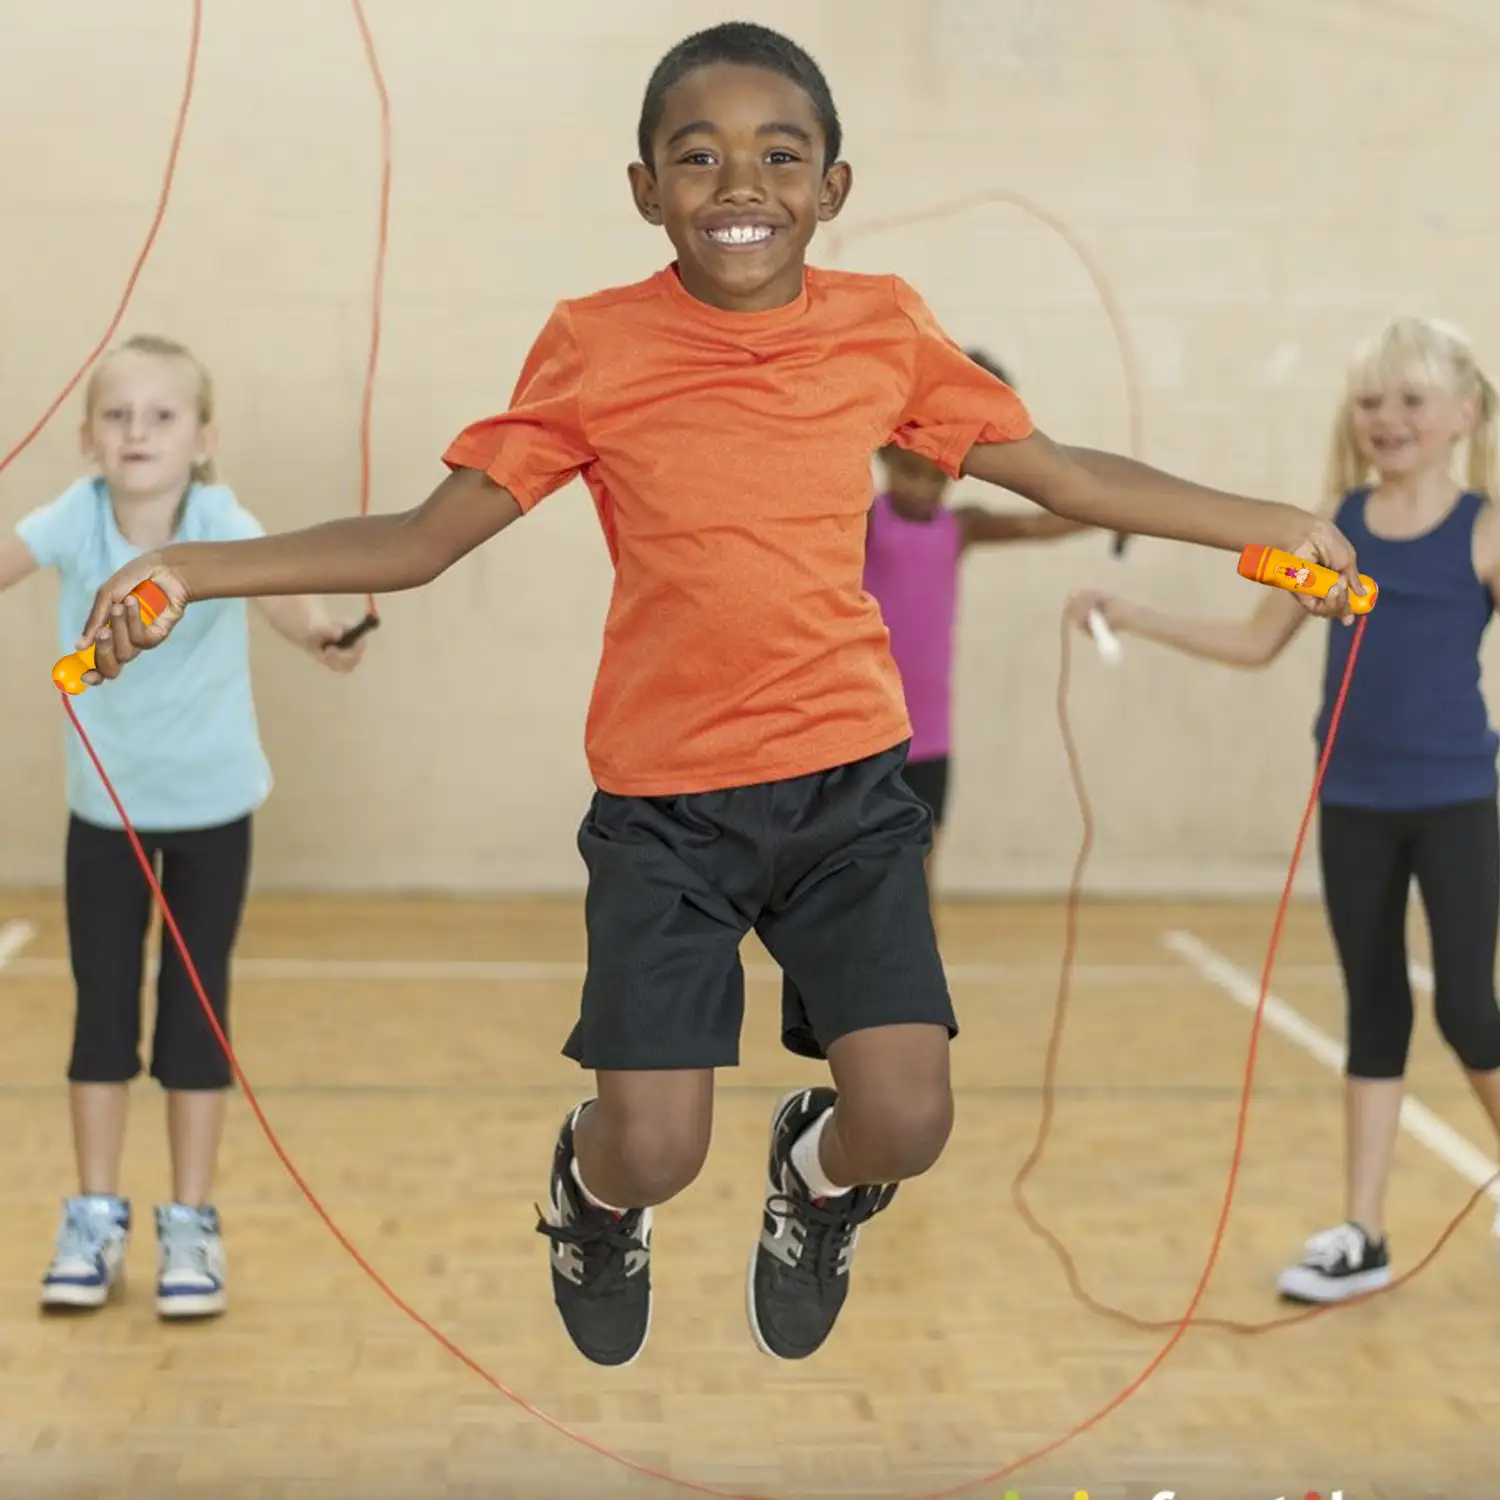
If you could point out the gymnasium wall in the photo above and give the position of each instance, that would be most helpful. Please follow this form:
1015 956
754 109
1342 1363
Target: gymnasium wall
1261 181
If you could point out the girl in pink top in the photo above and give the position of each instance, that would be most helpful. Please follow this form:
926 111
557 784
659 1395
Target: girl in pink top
912 555
913 548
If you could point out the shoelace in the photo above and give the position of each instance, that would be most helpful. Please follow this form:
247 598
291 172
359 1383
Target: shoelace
185 1248
603 1247
1329 1247
824 1230
83 1234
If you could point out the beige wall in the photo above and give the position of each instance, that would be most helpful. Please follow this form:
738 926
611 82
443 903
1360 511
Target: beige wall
1262 181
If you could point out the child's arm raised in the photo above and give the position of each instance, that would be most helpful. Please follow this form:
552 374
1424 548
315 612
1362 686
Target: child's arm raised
16 562
1255 641
358 555
1119 494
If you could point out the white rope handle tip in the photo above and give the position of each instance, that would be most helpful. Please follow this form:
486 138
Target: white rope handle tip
1104 638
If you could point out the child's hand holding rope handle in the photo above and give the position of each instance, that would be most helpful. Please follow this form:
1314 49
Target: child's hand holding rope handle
381 554
142 619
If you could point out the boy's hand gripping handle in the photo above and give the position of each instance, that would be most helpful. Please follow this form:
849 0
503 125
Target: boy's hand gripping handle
1283 570
68 673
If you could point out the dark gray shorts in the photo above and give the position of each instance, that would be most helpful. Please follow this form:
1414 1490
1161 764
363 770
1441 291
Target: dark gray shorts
827 869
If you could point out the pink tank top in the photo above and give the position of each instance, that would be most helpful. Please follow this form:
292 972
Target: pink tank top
911 568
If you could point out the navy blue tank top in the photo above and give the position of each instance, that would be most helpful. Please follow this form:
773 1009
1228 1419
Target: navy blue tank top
1415 731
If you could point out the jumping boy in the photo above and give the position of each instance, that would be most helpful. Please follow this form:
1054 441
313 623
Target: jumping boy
747 729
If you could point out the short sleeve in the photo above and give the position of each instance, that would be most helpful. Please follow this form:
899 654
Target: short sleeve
953 403
538 445
54 534
226 520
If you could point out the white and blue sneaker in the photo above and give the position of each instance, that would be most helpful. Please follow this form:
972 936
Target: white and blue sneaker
89 1260
190 1262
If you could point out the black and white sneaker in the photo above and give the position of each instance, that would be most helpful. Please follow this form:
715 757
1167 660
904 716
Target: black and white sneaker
601 1264
799 1269
1337 1263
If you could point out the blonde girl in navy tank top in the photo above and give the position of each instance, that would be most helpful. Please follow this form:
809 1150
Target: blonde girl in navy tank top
1410 791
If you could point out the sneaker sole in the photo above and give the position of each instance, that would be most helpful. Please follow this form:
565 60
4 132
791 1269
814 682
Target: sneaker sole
1302 1285
66 1297
197 1305
771 1188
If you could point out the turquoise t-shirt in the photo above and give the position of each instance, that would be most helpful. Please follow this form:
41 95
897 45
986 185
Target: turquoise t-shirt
177 731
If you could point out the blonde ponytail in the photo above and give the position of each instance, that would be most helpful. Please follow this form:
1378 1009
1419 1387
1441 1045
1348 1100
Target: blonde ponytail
1347 469
1483 442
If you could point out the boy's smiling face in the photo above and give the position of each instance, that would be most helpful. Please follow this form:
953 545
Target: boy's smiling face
739 184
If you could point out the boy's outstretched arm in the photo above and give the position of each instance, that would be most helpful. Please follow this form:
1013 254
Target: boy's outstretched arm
358 555
1119 494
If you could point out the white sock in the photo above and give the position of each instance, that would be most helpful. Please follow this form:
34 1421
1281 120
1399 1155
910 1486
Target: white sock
808 1164
589 1197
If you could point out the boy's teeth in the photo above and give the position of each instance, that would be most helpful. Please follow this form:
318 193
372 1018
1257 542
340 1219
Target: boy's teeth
741 234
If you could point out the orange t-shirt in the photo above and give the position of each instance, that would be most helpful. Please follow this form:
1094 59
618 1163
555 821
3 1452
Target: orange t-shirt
728 455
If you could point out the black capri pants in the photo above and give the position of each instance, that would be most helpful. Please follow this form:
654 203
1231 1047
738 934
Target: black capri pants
204 873
1369 858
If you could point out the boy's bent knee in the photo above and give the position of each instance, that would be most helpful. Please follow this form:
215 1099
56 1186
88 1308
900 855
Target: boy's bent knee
644 1149
899 1136
895 1109
660 1162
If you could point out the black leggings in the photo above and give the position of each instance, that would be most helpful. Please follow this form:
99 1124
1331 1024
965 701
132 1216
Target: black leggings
203 874
1369 859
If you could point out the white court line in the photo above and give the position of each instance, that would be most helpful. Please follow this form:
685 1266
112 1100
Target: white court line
14 936
1239 984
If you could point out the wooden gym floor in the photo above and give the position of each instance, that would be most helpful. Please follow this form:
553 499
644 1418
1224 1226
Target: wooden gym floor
407 1052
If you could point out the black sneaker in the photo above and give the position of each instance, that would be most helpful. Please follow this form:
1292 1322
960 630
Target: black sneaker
1337 1263
601 1264
799 1269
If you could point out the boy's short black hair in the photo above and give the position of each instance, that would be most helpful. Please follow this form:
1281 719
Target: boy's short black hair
750 46
990 363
